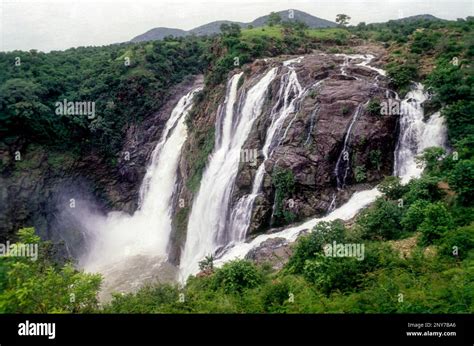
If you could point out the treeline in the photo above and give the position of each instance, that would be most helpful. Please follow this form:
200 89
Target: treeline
416 45
126 82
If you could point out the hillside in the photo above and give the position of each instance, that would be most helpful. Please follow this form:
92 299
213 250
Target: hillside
214 27
159 34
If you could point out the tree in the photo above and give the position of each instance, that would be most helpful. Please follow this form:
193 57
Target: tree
231 29
437 222
382 221
461 180
236 276
273 19
38 285
342 19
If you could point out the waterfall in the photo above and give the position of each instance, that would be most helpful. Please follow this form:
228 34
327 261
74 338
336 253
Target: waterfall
416 134
344 155
289 93
118 237
208 229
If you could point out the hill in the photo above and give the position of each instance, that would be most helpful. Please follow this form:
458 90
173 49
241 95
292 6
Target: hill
214 27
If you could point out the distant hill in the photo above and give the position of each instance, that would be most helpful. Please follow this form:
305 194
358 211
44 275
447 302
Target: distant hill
418 17
159 34
214 27
295 15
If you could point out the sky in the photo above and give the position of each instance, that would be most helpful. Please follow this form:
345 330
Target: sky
48 25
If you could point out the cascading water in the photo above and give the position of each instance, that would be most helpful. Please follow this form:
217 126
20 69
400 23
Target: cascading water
208 223
289 93
416 134
343 159
119 237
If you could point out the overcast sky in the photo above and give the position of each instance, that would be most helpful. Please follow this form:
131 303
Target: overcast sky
61 24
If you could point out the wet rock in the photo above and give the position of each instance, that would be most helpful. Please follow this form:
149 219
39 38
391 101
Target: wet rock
274 251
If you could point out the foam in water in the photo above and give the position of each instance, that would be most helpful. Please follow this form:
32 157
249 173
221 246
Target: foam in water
415 136
207 226
290 91
118 236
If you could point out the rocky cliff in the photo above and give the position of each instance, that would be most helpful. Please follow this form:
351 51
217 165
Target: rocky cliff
334 142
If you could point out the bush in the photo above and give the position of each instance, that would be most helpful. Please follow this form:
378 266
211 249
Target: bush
402 74
149 299
284 182
236 276
381 221
274 296
461 180
359 174
414 216
461 239
347 273
436 223
431 159
392 188
38 286
310 245
425 188
374 107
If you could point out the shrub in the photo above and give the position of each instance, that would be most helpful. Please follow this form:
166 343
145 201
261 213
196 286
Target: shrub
382 221
347 273
274 296
359 174
284 183
414 216
436 223
425 188
39 286
310 245
457 242
402 74
375 157
374 107
461 180
236 276
392 188
431 159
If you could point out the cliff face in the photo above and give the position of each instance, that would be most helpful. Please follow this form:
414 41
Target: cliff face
315 135
334 141
37 189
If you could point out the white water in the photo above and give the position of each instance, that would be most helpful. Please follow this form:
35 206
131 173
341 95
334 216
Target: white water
207 227
343 156
358 201
416 134
289 93
119 237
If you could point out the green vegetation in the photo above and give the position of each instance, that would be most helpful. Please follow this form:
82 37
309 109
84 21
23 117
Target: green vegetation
434 275
374 107
199 161
284 183
37 284
360 174
418 238
127 82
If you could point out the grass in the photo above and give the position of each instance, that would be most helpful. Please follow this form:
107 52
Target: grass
275 32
